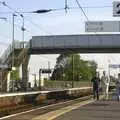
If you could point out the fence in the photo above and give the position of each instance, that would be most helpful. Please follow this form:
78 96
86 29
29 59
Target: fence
8 51
49 84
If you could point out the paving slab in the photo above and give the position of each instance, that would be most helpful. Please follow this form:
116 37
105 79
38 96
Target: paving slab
99 110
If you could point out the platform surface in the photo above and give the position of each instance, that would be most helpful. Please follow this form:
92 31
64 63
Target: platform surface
99 110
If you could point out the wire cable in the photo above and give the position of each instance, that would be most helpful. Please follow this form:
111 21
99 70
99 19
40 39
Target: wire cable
14 11
82 10
38 26
60 9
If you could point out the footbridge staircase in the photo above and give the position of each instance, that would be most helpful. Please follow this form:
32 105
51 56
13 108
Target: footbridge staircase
20 57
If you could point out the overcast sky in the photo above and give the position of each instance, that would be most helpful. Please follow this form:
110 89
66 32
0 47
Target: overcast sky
53 23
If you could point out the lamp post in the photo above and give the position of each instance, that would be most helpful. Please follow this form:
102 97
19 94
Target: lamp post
73 71
40 70
13 46
13 40
48 69
109 62
23 28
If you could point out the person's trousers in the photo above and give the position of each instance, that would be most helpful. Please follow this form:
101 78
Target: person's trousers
96 92
118 93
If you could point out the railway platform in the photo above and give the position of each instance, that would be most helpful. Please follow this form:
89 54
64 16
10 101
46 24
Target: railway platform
87 109
99 110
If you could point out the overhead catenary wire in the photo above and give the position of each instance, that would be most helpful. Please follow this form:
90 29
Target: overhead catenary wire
18 26
13 13
38 26
82 10
29 20
60 9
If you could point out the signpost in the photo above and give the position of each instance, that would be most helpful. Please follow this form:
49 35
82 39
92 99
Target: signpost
5 66
114 66
105 26
116 8
95 26
43 71
102 26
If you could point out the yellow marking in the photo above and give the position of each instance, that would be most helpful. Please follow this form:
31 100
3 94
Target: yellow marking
54 114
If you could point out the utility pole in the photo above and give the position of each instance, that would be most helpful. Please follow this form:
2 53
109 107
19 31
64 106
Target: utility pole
13 47
73 71
48 69
40 78
109 68
23 29
13 40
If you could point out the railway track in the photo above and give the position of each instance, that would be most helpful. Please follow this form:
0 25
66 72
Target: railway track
29 112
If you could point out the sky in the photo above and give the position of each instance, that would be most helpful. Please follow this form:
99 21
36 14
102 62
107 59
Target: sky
53 23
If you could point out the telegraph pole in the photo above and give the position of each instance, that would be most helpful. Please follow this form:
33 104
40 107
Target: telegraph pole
13 41
109 68
23 29
73 71
40 78
48 69
13 47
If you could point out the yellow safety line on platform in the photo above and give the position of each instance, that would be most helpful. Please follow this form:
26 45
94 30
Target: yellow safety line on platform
54 114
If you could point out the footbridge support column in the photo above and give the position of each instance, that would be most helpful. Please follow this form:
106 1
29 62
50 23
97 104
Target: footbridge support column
24 77
3 81
25 71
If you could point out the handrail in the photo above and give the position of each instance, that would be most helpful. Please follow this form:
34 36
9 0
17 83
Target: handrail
8 51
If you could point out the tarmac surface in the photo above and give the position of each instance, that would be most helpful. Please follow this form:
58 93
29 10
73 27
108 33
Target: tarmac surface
99 110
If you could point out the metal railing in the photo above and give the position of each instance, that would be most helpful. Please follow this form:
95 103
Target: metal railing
8 51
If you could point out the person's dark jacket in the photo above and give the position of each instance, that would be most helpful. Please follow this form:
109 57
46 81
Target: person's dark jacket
96 82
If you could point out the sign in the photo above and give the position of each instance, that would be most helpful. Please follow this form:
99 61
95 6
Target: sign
45 71
93 26
116 8
102 26
5 66
114 66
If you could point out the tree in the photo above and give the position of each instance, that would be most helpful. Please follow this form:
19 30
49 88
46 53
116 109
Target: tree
15 75
61 63
71 66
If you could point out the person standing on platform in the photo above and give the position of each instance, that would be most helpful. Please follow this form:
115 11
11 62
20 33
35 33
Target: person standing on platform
96 85
105 85
118 87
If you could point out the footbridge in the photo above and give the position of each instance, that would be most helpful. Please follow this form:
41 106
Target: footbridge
83 43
